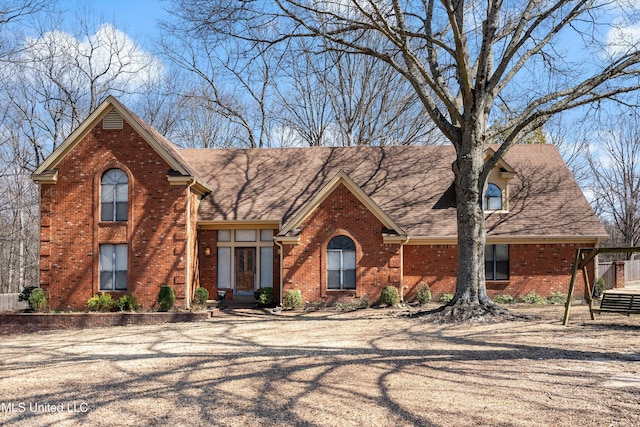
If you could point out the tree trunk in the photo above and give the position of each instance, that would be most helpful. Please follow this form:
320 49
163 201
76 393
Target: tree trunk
470 286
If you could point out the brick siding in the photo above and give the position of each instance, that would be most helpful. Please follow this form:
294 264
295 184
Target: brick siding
71 231
543 268
341 213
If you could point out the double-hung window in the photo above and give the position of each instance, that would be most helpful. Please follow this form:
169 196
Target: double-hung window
492 198
341 263
496 262
114 196
113 267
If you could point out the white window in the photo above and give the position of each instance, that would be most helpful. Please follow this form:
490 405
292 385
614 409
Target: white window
114 196
341 263
224 267
245 235
266 235
266 267
496 262
492 198
224 235
113 267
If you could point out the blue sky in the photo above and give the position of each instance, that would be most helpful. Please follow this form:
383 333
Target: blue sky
137 18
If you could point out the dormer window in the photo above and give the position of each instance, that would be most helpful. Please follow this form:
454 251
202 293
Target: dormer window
114 196
492 198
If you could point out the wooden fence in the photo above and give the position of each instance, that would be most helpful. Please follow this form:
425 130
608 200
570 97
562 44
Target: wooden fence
632 272
9 302
606 270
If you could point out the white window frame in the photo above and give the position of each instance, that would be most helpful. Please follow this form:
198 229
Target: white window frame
493 250
486 200
112 188
112 250
351 252
232 243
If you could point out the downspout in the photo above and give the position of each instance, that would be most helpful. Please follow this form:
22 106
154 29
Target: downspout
280 250
402 268
188 248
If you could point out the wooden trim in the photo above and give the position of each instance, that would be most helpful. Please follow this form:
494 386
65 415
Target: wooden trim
237 224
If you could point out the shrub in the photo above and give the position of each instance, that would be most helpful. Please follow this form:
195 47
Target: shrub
266 296
102 302
446 297
166 298
557 298
504 299
127 303
598 288
37 300
292 299
389 296
26 293
202 295
423 294
533 298
356 304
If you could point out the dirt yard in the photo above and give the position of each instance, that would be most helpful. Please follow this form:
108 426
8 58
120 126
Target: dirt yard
366 368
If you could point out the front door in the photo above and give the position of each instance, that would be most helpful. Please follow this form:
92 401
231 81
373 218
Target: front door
245 270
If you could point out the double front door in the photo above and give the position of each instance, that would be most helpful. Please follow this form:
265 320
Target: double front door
245 260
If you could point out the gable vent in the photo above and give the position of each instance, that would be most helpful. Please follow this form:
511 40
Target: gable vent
112 120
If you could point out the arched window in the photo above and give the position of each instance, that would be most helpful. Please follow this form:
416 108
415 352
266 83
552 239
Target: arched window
114 196
493 198
341 263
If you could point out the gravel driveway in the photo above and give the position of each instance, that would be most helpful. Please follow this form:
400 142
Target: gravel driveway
365 368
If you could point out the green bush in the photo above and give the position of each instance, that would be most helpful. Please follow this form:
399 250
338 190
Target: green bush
266 296
166 298
127 303
533 298
423 294
26 293
598 288
102 302
292 299
38 300
504 299
557 298
446 297
202 295
389 296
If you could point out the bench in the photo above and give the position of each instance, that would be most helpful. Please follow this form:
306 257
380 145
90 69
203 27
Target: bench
619 301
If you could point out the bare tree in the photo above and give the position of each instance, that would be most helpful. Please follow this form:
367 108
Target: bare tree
49 83
463 59
235 86
615 171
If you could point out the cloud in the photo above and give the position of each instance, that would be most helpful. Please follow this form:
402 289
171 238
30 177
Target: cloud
108 59
623 39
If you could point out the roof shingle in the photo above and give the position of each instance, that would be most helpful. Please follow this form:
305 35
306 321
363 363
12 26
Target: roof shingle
413 185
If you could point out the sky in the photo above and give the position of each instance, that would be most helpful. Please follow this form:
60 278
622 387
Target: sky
138 18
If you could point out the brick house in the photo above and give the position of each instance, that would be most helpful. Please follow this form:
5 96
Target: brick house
125 211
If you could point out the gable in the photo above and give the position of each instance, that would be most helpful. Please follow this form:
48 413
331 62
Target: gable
342 179
110 115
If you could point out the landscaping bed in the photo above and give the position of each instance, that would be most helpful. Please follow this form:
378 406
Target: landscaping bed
13 323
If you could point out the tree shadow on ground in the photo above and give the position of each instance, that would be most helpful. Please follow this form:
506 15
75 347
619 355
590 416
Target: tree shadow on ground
327 369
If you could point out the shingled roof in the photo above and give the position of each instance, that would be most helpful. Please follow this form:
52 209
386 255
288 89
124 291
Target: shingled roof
413 185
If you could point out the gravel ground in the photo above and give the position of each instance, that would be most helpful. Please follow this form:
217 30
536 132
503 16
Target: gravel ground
372 367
